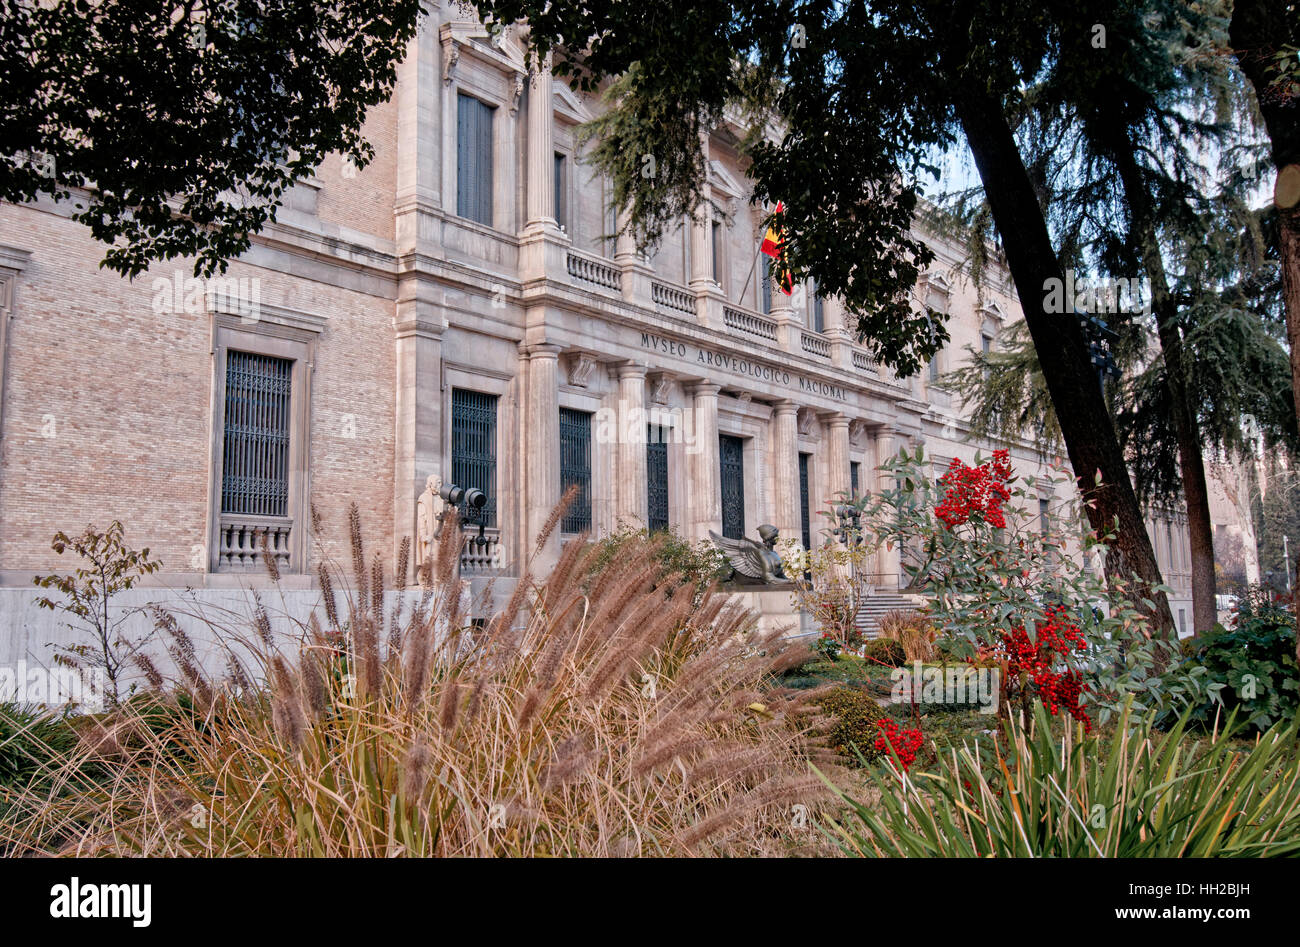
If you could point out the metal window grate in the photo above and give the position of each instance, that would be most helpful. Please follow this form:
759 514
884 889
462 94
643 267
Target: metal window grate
575 468
656 452
474 446
731 452
255 455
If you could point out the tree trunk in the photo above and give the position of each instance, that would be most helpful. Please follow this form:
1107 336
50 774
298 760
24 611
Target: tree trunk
1063 354
1196 490
1260 31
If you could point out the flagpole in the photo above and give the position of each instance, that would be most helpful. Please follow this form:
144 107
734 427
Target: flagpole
758 249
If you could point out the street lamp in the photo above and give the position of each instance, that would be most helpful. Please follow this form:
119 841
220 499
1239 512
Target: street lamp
468 502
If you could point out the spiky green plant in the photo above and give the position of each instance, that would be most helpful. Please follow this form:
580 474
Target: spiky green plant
1044 791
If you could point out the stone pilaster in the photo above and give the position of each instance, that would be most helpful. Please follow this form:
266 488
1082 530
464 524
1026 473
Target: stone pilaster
419 127
704 478
631 470
787 517
636 271
542 453
418 446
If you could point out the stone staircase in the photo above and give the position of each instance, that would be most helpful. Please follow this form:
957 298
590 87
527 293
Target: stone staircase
877 606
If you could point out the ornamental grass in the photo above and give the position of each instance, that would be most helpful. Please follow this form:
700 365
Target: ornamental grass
610 709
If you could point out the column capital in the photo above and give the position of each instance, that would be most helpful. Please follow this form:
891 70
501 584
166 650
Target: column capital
631 369
785 407
835 419
698 388
544 350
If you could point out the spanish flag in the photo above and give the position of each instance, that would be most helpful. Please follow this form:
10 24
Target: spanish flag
774 246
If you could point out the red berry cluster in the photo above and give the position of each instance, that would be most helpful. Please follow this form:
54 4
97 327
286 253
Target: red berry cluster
906 743
979 490
1057 638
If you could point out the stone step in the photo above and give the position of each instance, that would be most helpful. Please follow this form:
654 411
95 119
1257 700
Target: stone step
877 607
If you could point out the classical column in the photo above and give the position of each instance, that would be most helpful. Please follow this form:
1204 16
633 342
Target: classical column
785 470
542 453
837 457
418 446
631 454
887 444
541 151
704 478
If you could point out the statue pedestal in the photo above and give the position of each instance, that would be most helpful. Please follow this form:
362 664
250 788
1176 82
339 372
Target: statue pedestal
775 607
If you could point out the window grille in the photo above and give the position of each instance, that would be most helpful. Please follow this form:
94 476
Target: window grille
731 452
474 447
255 455
575 468
656 477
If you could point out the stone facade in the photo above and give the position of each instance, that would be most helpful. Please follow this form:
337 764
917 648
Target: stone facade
386 301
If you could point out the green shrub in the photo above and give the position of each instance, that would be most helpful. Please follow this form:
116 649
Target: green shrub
885 651
1053 792
31 744
857 723
684 563
1250 669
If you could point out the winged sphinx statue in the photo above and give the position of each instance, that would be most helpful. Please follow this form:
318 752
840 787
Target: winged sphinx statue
753 560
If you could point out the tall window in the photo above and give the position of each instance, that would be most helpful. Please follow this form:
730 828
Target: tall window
766 293
716 233
805 521
934 370
255 454
854 468
656 455
818 314
561 191
731 452
986 343
474 159
575 468
1044 516
474 446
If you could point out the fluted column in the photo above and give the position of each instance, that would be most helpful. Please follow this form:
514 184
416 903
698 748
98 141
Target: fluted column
631 487
838 481
542 452
541 150
704 483
785 470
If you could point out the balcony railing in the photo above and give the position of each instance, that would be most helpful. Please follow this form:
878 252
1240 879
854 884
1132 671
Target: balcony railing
750 323
670 297
240 542
816 345
598 272
482 557
865 363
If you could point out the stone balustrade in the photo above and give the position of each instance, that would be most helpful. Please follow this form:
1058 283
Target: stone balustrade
594 270
240 542
750 323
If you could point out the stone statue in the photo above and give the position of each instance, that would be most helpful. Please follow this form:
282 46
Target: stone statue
757 561
428 524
